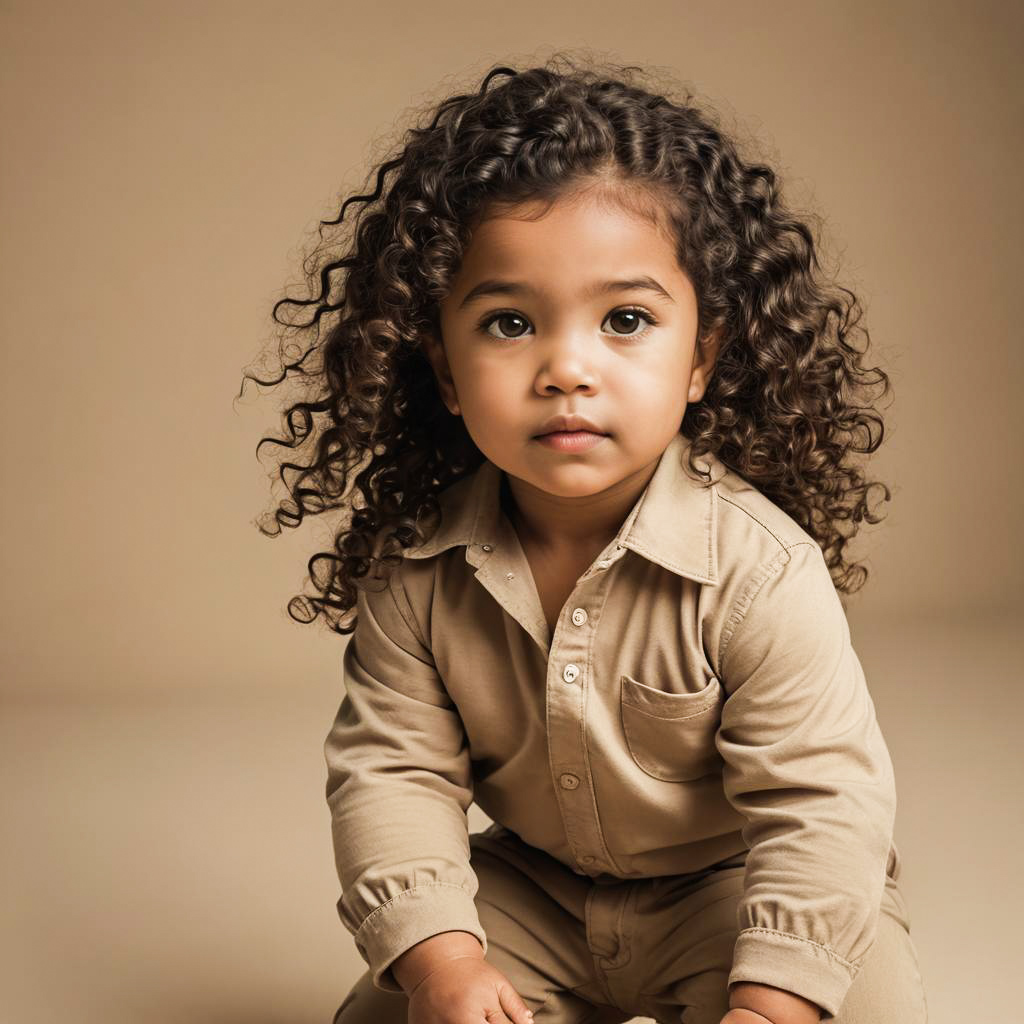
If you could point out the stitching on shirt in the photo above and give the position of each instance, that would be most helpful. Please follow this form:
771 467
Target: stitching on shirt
738 615
678 718
712 528
396 586
743 602
586 747
759 521
406 892
849 965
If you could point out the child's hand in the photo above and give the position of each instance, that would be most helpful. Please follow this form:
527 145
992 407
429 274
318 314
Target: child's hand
464 991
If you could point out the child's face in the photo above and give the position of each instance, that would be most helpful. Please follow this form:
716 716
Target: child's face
554 345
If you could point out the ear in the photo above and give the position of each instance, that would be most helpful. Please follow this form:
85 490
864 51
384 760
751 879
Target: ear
433 348
704 363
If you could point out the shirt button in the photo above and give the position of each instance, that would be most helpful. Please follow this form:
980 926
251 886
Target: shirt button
486 547
586 859
570 672
579 616
568 780
509 575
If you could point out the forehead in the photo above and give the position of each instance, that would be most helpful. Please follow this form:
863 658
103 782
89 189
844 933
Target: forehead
593 232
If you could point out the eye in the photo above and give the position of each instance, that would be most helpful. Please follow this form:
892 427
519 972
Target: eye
508 316
630 314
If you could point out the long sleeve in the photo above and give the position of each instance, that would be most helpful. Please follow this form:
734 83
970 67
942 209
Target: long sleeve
399 785
807 766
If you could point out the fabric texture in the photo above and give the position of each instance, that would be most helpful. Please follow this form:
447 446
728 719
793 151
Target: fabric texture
582 952
698 699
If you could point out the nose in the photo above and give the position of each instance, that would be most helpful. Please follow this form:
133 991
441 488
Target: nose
566 364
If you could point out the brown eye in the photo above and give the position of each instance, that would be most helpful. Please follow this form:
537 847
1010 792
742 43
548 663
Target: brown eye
505 319
631 318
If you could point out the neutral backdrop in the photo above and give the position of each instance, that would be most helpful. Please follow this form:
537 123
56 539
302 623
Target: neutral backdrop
166 846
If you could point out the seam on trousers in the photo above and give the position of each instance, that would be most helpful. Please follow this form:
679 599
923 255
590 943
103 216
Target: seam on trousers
598 1007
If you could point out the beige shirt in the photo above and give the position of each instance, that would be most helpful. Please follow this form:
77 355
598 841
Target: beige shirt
699 698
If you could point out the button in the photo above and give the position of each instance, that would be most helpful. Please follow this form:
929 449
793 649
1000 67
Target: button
486 547
568 780
586 859
510 575
570 672
579 616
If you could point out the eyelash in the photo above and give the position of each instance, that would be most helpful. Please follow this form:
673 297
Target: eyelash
498 314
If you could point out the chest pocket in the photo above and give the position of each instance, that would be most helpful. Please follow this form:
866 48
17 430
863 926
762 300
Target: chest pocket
671 736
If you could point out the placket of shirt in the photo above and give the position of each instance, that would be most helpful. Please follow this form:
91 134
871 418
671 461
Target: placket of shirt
506 574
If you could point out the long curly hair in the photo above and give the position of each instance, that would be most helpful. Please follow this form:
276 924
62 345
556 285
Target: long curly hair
786 404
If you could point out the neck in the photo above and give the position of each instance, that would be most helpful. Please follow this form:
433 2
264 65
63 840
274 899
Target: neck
555 523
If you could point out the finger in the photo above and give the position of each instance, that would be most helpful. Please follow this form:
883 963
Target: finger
496 1017
512 1003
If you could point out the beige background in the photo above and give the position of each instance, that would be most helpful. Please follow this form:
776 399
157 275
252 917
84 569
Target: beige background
166 846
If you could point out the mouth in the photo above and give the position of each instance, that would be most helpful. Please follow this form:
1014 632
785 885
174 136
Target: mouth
570 440
570 433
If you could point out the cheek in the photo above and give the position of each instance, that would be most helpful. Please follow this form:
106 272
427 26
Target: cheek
486 386
658 383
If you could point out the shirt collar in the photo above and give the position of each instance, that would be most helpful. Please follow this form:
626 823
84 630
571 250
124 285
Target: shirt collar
674 522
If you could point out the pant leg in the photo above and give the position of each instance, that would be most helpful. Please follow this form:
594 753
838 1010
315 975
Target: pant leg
533 909
367 1004
686 930
888 988
682 932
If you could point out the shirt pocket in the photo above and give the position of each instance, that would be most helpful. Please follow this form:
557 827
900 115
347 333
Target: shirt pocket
671 736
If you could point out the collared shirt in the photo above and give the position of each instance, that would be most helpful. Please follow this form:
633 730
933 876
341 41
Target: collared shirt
699 698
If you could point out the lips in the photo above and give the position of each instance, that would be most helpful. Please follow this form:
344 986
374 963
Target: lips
570 440
572 433
569 423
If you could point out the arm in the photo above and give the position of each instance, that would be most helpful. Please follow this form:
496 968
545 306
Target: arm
419 962
806 764
754 1004
399 784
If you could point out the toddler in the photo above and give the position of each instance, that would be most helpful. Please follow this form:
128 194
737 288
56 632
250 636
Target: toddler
588 408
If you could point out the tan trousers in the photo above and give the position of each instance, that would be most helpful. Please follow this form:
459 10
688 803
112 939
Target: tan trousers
579 952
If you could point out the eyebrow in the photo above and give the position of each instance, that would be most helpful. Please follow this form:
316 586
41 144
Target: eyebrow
493 286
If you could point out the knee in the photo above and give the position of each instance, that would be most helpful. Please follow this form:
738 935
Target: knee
367 1004
888 988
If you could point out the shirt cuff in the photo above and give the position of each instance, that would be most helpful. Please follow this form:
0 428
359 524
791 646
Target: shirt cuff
795 964
410 917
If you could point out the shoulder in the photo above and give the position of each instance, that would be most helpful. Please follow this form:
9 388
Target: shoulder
752 529
417 582
767 561
744 510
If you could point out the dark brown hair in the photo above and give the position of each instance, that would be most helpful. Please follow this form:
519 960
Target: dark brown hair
785 406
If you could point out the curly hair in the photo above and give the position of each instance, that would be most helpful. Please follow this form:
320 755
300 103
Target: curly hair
785 406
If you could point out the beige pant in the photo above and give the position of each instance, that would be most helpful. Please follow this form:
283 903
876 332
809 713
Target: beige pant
579 952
